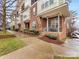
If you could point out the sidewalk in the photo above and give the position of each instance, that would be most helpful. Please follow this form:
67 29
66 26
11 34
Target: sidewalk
39 50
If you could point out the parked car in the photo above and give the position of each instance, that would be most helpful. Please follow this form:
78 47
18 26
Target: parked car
75 34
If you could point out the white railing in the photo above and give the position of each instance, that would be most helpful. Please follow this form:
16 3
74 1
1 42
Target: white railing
26 15
44 5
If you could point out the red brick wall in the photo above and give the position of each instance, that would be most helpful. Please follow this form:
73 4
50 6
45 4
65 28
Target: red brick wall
32 16
64 28
39 24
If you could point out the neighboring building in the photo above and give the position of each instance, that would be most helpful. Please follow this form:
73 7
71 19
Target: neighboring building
14 20
26 14
22 14
46 16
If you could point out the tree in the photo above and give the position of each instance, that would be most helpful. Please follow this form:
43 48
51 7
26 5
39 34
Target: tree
71 21
5 10
68 1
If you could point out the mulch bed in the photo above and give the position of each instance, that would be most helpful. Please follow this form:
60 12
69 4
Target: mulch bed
44 38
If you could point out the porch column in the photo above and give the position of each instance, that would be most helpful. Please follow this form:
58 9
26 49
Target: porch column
47 25
58 23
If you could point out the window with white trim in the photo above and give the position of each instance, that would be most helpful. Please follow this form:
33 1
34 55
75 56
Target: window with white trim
53 24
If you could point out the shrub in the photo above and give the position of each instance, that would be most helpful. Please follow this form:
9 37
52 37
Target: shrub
26 30
51 36
33 32
65 57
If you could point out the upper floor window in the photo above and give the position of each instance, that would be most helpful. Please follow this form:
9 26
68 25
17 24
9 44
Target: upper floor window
47 3
33 1
34 25
25 16
34 11
51 2
42 6
17 12
22 8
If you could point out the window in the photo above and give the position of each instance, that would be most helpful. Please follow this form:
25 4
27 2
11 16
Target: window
25 16
51 1
34 25
42 6
46 4
34 11
33 1
22 8
53 24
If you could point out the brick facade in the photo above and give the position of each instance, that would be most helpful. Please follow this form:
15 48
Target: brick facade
40 22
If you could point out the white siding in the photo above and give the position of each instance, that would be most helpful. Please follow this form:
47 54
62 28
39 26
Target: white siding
53 5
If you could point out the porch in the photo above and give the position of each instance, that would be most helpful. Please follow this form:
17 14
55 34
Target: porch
54 20
54 25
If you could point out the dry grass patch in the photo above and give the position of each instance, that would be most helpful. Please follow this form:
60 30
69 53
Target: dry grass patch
10 44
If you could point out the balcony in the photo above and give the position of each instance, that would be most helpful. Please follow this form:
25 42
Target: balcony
26 15
27 3
52 7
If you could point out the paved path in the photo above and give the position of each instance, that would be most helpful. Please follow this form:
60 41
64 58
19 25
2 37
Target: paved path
38 49
73 44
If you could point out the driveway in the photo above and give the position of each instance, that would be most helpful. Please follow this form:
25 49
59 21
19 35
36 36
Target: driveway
73 44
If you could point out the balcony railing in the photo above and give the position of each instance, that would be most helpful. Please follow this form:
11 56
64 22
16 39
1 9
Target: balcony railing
44 5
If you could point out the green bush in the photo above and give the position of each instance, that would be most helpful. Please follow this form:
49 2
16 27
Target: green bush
26 30
33 32
9 45
51 36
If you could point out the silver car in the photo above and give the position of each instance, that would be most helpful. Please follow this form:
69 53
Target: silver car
75 34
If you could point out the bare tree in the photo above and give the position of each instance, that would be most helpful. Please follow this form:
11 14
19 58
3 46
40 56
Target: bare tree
68 1
5 9
70 21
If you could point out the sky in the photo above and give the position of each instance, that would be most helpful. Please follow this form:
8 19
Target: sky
74 5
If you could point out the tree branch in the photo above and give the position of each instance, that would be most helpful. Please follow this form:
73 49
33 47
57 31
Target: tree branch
11 4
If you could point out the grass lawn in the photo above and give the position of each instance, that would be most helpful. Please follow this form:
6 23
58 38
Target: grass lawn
9 45
65 57
2 33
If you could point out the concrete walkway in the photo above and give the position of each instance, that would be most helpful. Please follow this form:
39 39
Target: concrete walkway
38 49
73 44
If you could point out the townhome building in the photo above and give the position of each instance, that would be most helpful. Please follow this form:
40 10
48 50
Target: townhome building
26 14
22 15
17 16
19 10
49 17
33 15
45 16
13 23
